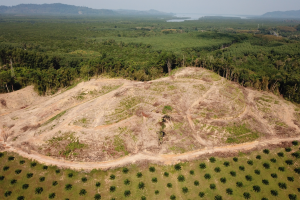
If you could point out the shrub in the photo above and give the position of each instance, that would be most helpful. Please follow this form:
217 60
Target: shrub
256 188
264 198
172 197
235 159
274 175
289 162
7 193
51 196
288 149
20 198
84 179
112 189
126 181
70 175
127 193
156 192
125 170
10 158
248 177
273 160
68 187
226 164
297 170
242 168
233 173
247 195
258 157
291 179
45 167
201 194
239 184
166 174
282 169
18 171
143 198
139 175
1 154
296 154
218 197
266 151
29 175
212 159
212 186
98 184
185 190
207 176
177 167
217 169
229 191
152 169
196 183
5 168
154 180
274 193
292 196
54 183
57 171
181 178
97 197
42 179
202 166
82 192
22 162
265 182
39 190
192 172
295 143
223 180
169 185
2 178
112 177
257 172
14 181
298 189
266 165
33 164
250 162
280 154
282 185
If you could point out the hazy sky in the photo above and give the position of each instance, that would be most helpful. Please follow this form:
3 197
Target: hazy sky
240 7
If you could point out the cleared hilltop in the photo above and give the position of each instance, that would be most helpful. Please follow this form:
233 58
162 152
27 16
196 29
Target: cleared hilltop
105 119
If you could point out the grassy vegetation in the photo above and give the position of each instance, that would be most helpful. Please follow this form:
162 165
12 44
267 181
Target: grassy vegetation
55 117
257 175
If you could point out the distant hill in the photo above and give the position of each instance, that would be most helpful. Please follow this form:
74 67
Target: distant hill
283 14
64 9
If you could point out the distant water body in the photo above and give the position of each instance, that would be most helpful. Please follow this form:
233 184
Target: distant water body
196 16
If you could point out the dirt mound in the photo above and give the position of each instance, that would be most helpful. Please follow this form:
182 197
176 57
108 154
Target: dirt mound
105 119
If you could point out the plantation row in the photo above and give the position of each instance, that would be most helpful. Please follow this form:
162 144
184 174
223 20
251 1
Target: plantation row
262 176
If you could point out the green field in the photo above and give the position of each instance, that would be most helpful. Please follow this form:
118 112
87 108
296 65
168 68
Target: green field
189 180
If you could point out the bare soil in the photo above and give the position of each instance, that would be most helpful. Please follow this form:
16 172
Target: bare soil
104 122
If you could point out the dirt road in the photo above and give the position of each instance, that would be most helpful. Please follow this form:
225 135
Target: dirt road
164 159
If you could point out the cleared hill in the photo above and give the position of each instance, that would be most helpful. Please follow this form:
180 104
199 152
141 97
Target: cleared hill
106 119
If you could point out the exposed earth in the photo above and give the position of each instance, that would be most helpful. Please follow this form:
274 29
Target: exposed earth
105 121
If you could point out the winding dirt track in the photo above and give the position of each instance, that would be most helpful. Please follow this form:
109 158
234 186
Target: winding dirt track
163 159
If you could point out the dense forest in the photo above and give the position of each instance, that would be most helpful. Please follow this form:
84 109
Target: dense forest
56 52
